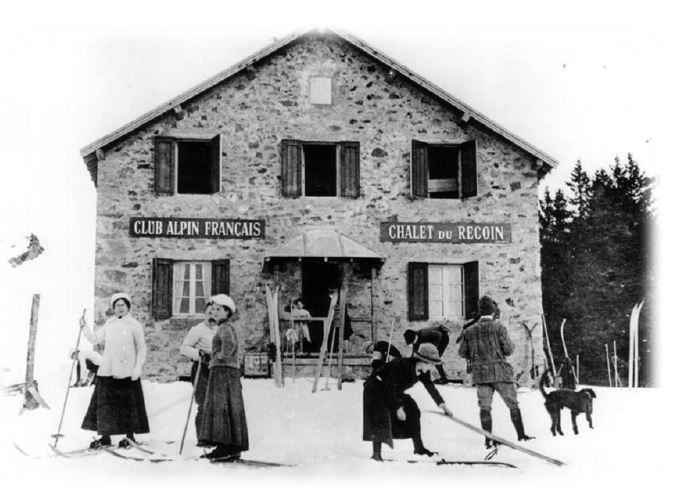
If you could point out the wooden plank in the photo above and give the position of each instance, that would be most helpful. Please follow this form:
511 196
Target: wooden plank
327 328
341 327
279 369
31 402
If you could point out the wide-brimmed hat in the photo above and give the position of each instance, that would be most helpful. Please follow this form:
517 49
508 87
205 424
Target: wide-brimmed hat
120 295
224 300
428 353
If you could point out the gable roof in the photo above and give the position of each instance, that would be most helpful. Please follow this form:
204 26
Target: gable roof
545 161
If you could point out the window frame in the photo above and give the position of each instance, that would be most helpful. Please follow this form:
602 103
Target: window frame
446 303
174 141
207 285
423 148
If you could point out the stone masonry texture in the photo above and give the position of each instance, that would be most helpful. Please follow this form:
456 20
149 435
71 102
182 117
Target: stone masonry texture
253 111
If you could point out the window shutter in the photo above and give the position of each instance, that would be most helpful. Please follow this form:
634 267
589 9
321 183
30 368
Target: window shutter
216 155
469 169
419 169
291 168
220 277
417 283
471 288
349 173
164 165
161 288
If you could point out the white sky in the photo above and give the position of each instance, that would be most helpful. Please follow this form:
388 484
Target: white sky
580 80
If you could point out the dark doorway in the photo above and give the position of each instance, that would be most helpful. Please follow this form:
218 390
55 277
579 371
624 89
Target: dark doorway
320 170
317 279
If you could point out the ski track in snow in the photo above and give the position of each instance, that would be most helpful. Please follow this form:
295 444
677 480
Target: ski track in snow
321 435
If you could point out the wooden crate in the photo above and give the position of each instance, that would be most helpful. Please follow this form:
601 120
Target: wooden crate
256 365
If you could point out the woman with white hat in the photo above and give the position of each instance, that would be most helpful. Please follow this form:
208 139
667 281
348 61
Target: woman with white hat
117 404
223 424
390 413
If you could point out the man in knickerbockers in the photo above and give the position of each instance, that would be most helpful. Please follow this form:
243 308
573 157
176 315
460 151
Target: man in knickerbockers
486 345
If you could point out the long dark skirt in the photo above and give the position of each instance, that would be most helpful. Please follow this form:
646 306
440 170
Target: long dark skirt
200 391
381 423
224 416
117 407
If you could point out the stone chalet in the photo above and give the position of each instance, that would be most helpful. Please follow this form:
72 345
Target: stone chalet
317 164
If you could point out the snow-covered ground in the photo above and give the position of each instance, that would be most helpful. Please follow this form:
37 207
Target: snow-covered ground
321 435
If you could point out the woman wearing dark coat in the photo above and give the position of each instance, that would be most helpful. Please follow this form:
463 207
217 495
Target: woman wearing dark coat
223 423
390 413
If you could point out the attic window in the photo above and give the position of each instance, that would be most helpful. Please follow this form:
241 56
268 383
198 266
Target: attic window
320 90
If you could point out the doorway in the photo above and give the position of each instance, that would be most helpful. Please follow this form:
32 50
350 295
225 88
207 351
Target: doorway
317 278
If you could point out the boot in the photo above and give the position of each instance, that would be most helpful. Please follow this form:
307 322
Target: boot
419 449
101 442
486 424
377 451
517 420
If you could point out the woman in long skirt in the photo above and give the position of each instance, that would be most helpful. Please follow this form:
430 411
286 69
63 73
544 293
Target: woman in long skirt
223 424
390 413
117 404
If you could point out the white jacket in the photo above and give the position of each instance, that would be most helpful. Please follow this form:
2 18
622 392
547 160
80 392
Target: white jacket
124 347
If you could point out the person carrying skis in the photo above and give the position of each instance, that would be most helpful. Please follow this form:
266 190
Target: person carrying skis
390 413
117 403
197 347
438 336
486 345
223 423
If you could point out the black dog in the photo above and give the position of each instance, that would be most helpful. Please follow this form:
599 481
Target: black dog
576 402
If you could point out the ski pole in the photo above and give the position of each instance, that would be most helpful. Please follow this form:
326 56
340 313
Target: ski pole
500 440
191 403
68 387
390 340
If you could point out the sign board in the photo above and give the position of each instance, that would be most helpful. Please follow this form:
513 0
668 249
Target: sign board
256 365
197 228
452 233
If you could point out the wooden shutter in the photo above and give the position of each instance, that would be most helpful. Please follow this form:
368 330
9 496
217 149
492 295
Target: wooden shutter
220 277
417 283
162 288
349 173
291 168
216 164
164 165
471 288
419 169
469 169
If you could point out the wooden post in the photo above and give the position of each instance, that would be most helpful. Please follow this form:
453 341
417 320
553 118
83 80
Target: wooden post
577 368
618 381
607 363
373 311
32 398
548 346
341 321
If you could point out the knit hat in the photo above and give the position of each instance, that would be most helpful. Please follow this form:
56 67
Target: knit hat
121 295
428 353
409 336
486 306
224 300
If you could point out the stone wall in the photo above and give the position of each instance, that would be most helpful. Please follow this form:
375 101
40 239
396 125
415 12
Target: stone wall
253 112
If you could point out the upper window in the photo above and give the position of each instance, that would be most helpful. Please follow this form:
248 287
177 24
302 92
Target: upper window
182 288
444 171
187 165
437 291
320 90
320 169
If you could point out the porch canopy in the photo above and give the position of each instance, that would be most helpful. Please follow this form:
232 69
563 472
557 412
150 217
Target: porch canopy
326 244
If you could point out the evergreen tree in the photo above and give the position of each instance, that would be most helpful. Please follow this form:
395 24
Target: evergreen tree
595 262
